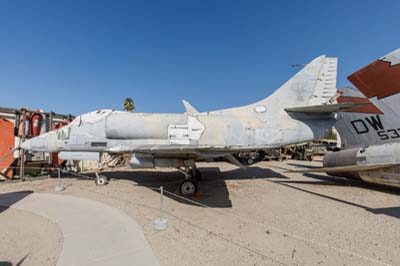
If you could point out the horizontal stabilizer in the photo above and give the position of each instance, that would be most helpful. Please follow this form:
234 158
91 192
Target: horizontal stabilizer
347 168
189 108
324 109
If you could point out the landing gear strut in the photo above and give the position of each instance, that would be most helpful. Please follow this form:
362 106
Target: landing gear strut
189 186
105 161
101 180
197 174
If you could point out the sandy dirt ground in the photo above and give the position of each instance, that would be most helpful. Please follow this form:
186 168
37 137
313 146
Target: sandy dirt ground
258 216
28 239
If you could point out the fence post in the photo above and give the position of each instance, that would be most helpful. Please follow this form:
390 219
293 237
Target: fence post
161 223
59 187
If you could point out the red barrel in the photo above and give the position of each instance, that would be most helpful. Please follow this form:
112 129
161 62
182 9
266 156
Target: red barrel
27 125
36 123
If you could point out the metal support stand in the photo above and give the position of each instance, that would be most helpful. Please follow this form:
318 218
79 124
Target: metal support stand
22 162
59 187
161 223
22 152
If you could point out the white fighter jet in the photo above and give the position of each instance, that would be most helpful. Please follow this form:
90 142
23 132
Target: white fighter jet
300 110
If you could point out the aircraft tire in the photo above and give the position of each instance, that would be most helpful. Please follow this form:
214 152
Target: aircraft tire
188 187
250 161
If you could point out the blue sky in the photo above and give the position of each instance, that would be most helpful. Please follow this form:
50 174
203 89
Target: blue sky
79 56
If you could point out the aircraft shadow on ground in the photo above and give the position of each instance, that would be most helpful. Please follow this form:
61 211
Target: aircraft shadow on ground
8 263
339 181
323 179
213 190
10 198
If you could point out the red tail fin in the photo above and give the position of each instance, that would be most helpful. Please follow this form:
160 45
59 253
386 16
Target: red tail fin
380 78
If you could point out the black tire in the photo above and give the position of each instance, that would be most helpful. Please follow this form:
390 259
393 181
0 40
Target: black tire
188 187
250 161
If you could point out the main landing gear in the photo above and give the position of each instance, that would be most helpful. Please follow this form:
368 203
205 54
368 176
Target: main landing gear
189 186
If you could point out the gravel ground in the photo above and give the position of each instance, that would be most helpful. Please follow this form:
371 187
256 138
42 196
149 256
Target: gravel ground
258 216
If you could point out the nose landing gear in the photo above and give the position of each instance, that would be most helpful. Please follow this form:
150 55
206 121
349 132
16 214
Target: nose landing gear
101 180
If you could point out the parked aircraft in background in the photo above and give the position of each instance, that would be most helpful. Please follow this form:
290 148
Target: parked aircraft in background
300 110
370 134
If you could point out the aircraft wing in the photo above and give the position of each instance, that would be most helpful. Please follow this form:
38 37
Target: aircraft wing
190 148
171 148
195 150
347 168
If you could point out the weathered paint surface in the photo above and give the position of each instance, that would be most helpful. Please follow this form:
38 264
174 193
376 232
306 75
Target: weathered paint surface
264 124
378 126
383 161
371 135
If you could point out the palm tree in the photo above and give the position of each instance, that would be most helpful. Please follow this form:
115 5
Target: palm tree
129 105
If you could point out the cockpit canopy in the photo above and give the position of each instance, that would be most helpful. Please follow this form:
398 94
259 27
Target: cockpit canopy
91 118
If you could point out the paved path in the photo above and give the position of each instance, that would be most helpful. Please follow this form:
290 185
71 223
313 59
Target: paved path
94 233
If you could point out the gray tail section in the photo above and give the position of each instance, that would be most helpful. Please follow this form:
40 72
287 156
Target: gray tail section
315 84
365 127
380 82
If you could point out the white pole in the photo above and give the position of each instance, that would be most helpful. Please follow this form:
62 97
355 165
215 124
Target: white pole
161 202
59 187
161 223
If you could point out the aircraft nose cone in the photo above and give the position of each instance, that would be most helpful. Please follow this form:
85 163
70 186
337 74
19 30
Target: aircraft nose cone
45 143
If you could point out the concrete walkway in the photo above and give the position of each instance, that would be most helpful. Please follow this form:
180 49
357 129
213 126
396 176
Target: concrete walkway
94 233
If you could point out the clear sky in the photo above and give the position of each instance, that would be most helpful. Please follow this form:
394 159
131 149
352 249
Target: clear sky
78 56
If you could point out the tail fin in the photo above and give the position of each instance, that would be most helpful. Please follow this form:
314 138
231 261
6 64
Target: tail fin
315 84
381 78
379 81
360 126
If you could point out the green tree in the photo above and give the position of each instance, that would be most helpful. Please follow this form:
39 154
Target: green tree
129 105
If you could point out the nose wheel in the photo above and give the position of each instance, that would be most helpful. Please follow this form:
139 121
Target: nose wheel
101 180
